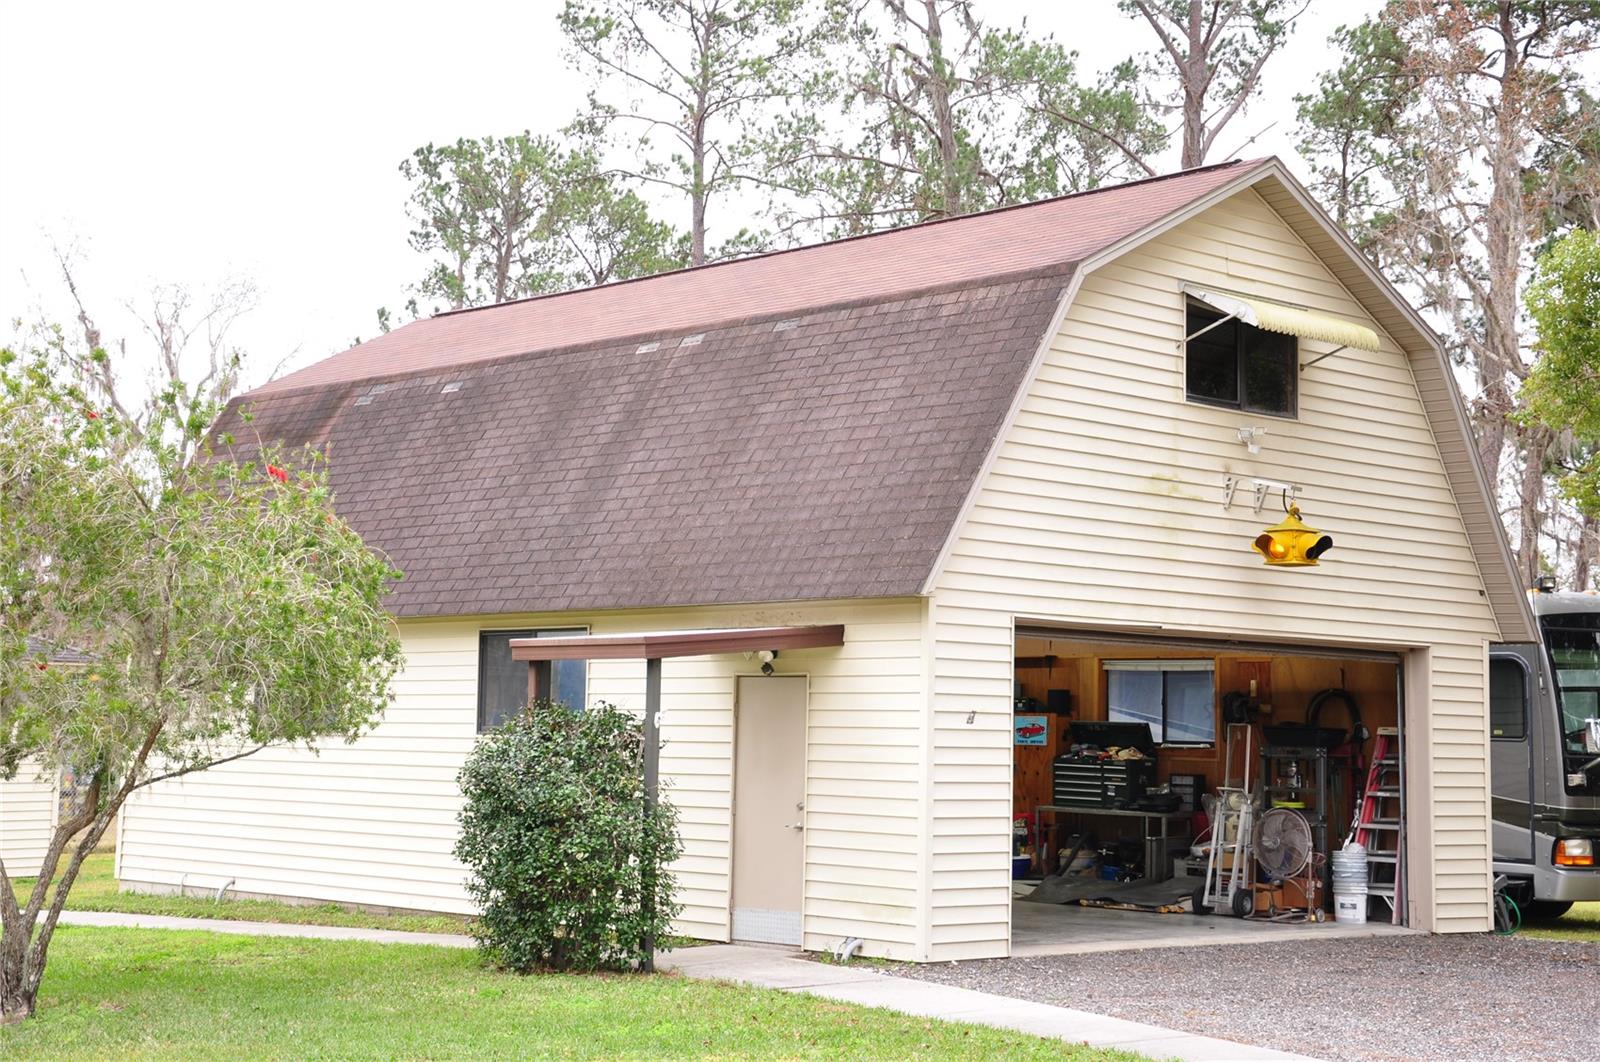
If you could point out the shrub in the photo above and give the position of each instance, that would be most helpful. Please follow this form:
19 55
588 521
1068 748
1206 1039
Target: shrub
561 850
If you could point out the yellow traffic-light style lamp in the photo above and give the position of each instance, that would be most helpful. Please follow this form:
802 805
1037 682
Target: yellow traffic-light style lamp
1292 544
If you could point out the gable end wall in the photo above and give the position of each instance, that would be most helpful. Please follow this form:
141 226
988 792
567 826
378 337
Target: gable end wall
1103 505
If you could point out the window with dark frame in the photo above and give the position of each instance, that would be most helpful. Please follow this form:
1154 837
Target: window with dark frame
1177 698
1508 700
1240 366
503 682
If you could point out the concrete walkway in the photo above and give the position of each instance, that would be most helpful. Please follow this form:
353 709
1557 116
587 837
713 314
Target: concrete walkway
263 929
785 971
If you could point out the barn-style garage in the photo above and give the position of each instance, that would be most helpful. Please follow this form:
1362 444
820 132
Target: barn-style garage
1062 473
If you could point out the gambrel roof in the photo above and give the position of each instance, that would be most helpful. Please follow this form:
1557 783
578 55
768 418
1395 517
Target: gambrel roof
800 425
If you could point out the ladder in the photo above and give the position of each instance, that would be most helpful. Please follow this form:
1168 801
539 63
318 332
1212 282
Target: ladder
1380 824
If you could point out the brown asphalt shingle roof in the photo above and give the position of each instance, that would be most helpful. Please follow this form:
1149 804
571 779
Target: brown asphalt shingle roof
817 441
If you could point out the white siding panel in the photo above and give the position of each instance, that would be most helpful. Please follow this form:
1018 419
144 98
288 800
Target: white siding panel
28 807
1103 504
374 822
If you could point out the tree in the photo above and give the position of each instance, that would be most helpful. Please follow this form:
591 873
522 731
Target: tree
940 115
1562 392
223 604
605 232
482 210
684 84
1214 50
1347 123
508 217
1483 88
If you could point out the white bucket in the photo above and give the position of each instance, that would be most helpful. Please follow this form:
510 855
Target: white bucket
1350 907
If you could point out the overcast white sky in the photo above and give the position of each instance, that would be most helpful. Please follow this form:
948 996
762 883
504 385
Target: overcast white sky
191 143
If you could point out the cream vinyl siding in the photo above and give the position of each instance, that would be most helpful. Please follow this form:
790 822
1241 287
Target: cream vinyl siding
1103 505
373 823
29 804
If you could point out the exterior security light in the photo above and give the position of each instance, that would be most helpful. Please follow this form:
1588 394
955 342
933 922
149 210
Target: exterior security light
767 656
1292 544
1545 584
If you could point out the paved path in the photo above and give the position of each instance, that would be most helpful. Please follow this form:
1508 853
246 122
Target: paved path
785 971
264 929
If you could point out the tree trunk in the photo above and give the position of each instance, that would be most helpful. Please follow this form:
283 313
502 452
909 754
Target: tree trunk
943 116
1585 552
699 194
15 1004
697 207
1192 80
1503 246
24 951
1535 445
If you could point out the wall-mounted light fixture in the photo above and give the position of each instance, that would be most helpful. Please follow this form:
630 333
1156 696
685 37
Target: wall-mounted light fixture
1251 437
767 656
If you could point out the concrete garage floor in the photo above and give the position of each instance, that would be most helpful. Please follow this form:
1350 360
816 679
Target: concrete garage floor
1064 929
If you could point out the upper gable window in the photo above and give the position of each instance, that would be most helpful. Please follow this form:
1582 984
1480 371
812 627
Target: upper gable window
1240 366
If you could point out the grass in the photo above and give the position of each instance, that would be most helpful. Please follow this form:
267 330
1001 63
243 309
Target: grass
1580 923
96 890
145 994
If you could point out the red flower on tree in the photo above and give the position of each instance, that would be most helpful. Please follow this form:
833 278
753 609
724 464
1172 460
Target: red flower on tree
277 473
91 414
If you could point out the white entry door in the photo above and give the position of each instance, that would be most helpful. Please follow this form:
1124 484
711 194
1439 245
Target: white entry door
769 792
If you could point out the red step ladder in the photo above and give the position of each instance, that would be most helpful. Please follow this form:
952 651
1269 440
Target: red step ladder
1380 824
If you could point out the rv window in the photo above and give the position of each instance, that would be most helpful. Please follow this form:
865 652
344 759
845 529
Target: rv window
1574 643
1175 697
1508 700
503 682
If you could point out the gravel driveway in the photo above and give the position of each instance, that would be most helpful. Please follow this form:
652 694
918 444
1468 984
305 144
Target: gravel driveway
1410 997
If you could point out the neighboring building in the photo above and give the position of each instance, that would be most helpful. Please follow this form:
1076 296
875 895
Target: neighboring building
30 802
28 809
948 438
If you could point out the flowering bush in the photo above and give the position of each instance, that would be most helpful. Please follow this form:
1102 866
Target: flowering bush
568 866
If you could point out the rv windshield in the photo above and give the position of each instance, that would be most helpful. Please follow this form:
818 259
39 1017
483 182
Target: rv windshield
1574 641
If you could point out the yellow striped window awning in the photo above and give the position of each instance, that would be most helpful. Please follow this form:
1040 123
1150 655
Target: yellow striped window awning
1274 316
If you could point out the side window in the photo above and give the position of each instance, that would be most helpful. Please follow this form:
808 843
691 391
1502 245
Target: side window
1508 700
503 682
1237 365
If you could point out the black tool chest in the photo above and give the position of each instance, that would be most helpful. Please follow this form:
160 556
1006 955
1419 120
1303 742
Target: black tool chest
1088 780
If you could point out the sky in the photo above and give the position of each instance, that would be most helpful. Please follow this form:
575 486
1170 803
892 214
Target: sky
198 144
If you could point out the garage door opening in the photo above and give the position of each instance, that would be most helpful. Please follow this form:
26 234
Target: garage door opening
1144 768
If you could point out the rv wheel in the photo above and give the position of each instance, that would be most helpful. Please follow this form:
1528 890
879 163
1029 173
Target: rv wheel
1544 910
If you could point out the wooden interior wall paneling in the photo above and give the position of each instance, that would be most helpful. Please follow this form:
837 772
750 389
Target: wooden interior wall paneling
1031 780
1285 683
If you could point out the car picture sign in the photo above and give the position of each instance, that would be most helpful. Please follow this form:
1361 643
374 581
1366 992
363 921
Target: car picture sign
1033 729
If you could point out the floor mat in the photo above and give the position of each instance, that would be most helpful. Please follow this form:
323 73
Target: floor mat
1140 895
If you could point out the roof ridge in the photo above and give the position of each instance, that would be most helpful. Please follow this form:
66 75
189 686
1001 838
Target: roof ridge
989 212
1059 269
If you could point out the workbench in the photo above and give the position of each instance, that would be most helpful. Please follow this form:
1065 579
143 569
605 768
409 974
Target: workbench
1157 860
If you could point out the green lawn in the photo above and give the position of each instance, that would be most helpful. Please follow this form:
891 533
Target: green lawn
96 890
142 994
1580 923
